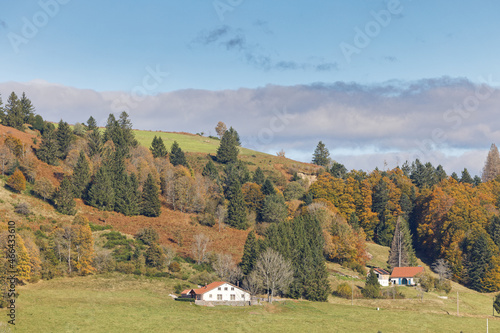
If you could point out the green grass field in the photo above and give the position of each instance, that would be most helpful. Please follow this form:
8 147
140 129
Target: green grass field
120 303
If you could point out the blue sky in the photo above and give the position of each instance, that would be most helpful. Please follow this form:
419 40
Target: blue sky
214 47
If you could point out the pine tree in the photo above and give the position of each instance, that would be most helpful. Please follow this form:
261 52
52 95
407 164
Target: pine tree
154 256
274 209
210 171
63 198
27 110
95 143
338 170
101 192
454 176
228 148
492 165
127 197
402 253
115 133
478 263
64 136
268 187
13 113
150 201
177 155
440 173
49 148
81 176
236 211
126 126
158 148
91 124
258 176
466 178
321 155
250 253
372 286
235 135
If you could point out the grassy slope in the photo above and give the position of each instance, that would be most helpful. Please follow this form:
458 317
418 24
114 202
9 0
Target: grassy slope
119 303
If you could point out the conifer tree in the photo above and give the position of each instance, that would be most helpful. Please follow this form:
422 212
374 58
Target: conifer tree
236 211
321 155
258 176
27 110
268 187
126 126
158 148
478 261
127 198
95 143
440 173
210 171
177 155
49 148
402 253
492 165
63 198
13 113
372 286
274 209
250 253
150 205
235 135
466 178
455 176
63 135
81 176
91 124
101 192
228 148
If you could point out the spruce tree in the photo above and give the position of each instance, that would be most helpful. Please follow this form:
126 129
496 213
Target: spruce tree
440 173
158 148
127 195
478 261
321 155
91 124
27 110
13 112
177 156
101 193
258 176
492 165
236 211
63 135
210 171
95 143
268 187
81 176
235 135
228 148
402 253
49 148
372 286
126 126
63 198
455 176
150 205
274 209
250 253
466 178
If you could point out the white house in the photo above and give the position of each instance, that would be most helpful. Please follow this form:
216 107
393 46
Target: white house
221 293
406 276
382 276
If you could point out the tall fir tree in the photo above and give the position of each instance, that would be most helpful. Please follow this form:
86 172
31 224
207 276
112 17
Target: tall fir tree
177 156
27 110
101 193
64 136
268 187
321 155
63 197
250 253
228 148
235 135
466 178
150 205
492 164
210 171
258 176
127 198
13 113
401 253
478 261
126 126
81 176
158 148
236 211
94 142
48 151
91 124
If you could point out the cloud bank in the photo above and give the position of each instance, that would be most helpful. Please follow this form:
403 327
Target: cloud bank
445 121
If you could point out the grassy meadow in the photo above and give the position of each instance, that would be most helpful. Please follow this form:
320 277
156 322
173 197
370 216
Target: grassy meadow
121 303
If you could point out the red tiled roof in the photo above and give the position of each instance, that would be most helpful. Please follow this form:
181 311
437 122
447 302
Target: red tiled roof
406 272
381 271
209 287
185 292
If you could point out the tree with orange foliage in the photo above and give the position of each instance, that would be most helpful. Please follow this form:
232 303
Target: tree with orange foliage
17 181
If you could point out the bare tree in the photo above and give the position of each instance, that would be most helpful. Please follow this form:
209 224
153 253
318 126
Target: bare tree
252 283
274 271
442 269
226 269
169 253
200 247
221 213
221 128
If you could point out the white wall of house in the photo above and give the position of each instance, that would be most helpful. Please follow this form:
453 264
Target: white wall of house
225 292
383 280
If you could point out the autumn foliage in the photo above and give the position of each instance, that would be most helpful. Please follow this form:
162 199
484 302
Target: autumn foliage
17 181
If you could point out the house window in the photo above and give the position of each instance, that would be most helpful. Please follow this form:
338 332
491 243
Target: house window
210 296
219 288
233 297
232 288
219 297
243 296
225 288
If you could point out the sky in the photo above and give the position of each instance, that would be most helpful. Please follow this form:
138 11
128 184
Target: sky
379 82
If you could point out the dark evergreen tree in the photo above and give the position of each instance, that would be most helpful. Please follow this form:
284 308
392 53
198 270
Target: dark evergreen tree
13 113
63 198
127 197
177 156
235 135
478 261
338 170
455 176
440 173
466 178
494 230
95 143
228 149
380 198
258 176
27 110
236 211
91 124
101 193
274 209
38 123
81 176
154 257
158 148
126 126
268 187
115 133
250 253
401 253
210 171
372 286
354 221
150 205
49 148
64 136
477 180
321 155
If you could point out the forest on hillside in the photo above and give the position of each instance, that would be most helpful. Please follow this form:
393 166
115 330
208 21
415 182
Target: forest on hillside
417 206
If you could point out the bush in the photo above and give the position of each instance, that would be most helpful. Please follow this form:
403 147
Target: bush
182 299
443 285
371 291
206 219
174 267
22 208
344 290
427 282
125 267
17 181
356 266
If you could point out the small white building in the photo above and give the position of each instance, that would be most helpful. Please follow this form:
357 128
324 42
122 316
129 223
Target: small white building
221 293
406 276
382 276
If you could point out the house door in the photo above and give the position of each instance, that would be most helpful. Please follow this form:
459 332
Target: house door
404 281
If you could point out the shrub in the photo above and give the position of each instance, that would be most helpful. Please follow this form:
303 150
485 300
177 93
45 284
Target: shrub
356 266
182 299
206 219
17 181
125 267
344 290
427 282
443 285
371 291
174 267
96 227
22 208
